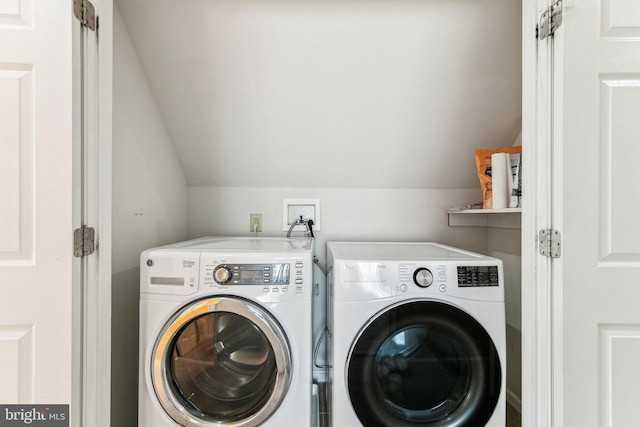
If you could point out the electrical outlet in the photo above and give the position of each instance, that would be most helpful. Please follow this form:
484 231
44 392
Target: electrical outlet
293 209
255 222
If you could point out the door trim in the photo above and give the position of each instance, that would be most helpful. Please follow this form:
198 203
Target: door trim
539 312
92 169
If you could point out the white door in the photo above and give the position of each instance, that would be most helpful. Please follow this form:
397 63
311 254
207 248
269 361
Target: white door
54 308
35 201
595 192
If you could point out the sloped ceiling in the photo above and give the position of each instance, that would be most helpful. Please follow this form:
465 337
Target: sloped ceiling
331 93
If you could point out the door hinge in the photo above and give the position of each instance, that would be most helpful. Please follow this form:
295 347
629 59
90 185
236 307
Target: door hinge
549 21
84 241
549 243
86 13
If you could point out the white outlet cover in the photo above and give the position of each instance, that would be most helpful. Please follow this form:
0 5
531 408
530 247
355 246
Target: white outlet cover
293 208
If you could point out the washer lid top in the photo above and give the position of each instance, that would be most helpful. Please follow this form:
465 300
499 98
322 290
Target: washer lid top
401 251
245 244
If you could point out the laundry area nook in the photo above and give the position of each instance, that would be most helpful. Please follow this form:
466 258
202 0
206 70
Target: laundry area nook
352 213
299 219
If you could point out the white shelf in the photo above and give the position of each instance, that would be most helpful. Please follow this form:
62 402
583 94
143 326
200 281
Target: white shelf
499 218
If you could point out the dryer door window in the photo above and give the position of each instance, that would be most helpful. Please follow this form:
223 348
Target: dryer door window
424 363
221 361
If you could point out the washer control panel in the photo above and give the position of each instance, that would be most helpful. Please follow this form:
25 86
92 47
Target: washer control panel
252 274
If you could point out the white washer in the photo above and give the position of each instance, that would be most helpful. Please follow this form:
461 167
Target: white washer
418 336
225 333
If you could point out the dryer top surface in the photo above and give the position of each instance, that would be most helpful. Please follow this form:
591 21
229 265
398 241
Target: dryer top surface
399 251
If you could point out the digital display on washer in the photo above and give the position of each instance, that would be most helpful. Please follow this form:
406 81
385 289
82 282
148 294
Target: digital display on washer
260 274
247 274
478 276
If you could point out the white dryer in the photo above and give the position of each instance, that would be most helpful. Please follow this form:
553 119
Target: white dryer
418 336
225 333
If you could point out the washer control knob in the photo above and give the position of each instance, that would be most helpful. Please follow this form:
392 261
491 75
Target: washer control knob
423 277
222 274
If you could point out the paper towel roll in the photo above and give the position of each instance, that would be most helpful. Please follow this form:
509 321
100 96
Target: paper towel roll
509 180
500 172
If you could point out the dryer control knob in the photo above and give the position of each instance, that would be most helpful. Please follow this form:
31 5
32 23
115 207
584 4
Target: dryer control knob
423 277
222 274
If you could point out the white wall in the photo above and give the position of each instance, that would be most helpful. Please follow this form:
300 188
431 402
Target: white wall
359 214
150 189
149 209
506 244
387 93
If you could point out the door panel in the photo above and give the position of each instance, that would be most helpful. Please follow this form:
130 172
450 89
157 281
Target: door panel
16 164
16 13
16 353
597 93
620 151
36 201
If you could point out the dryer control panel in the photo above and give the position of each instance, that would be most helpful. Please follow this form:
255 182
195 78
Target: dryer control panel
478 276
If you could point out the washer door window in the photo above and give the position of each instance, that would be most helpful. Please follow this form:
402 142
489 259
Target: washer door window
423 363
221 361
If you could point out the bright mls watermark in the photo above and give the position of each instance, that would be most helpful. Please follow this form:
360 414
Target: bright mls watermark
34 415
